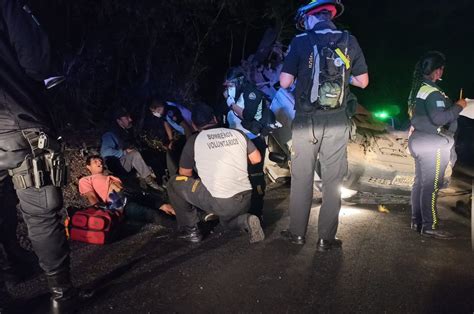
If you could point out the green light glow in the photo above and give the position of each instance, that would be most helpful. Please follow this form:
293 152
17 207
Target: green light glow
381 115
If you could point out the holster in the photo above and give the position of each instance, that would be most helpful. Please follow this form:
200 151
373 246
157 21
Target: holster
45 164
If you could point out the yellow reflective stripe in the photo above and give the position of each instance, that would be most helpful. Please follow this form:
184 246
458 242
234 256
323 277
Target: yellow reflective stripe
181 178
343 58
435 191
196 183
425 91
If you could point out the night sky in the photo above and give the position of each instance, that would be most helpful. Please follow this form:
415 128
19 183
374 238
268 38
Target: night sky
394 34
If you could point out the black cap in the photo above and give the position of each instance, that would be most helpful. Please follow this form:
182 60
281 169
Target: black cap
119 112
234 73
202 114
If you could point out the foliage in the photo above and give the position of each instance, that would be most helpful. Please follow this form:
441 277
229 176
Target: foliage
119 52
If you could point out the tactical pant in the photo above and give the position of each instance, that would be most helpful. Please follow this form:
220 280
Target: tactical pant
257 179
134 160
432 153
137 212
323 135
186 193
39 208
8 216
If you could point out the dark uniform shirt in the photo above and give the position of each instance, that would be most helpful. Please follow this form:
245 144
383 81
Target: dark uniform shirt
299 60
434 111
253 98
24 64
256 114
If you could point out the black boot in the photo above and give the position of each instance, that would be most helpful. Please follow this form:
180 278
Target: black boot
64 297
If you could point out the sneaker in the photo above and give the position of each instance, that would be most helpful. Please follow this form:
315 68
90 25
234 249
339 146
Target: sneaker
255 229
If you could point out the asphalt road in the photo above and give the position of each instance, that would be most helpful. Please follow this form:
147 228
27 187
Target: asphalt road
383 267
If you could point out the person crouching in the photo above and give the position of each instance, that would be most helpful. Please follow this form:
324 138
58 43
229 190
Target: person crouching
219 157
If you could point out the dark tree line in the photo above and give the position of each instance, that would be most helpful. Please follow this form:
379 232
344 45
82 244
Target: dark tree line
119 52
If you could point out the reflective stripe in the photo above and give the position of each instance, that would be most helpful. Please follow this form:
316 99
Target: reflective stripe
425 91
436 188
323 31
328 31
181 178
196 183
343 58
315 87
259 113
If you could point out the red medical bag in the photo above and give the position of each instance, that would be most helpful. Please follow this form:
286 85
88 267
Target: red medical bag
94 225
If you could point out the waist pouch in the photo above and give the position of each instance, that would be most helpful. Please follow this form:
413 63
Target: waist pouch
95 226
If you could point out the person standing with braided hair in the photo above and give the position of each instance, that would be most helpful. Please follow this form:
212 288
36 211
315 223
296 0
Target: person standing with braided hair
433 123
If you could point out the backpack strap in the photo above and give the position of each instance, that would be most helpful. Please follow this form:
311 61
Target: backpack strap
313 84
347 63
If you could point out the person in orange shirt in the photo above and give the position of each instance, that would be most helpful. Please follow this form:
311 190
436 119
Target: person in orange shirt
105 190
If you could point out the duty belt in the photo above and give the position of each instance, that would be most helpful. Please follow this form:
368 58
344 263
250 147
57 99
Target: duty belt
45 165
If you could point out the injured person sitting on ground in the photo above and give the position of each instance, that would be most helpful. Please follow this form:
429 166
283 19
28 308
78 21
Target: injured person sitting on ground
119 150
107 191
219 156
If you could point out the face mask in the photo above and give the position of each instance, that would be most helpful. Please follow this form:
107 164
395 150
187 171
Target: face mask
231 91
310 21
157 114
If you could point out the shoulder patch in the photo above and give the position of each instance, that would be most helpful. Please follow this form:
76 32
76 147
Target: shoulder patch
252 96
440 104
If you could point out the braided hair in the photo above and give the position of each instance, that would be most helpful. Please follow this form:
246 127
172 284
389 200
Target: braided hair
431 61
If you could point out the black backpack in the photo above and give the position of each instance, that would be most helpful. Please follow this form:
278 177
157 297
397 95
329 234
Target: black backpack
326 88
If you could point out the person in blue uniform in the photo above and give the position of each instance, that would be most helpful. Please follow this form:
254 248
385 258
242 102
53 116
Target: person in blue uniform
433 118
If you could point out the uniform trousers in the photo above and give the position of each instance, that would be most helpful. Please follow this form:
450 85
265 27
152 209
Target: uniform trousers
186 194
322 135
432 153
39 207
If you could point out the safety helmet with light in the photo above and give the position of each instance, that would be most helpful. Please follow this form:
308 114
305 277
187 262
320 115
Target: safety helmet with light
335 7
